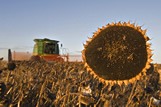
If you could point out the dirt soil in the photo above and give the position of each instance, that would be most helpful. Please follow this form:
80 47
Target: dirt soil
69 85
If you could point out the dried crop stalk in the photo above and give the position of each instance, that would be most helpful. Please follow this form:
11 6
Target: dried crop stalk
41 92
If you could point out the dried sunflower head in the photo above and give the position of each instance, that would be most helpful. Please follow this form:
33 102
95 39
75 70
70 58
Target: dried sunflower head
117 53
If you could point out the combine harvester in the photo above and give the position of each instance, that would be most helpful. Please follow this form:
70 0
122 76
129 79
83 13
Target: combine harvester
47 50
44 49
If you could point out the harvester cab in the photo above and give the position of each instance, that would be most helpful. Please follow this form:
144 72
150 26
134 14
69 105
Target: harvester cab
45 46
47 50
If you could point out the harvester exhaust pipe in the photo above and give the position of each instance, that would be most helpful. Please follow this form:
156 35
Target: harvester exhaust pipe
11 64
9 56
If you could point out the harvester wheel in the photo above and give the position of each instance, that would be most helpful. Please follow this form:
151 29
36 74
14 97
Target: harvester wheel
11 66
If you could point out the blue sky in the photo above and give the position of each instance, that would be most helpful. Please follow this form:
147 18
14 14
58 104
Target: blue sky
72 21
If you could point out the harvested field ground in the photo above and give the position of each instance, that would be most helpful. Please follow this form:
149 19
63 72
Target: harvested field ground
69 85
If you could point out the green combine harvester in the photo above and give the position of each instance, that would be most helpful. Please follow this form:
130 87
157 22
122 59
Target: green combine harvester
47 50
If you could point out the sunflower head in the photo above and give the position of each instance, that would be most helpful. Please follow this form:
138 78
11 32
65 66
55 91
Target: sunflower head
117 53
